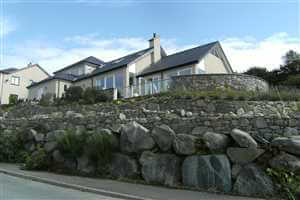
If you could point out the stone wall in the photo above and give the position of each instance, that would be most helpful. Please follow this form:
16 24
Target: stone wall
217 145
200 82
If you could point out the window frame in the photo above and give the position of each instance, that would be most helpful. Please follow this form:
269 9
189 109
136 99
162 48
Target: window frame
13 78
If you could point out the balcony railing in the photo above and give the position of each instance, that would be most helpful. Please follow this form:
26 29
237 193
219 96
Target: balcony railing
148 88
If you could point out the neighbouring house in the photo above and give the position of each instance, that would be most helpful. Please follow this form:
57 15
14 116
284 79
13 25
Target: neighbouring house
63 78
14 82
144 72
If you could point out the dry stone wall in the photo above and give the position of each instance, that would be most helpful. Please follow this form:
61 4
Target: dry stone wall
216 145
200 82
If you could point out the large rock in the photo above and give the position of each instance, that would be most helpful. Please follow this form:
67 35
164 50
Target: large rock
216 142
160 168
39 137
135 138
58 157
210 171
84 165
286 161
291 145
288 132
123 166
184 144
50 146
253 181
72 114
164 136
243 155
243 139
53 135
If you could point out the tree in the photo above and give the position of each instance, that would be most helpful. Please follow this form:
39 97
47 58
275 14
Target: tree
258 71
290 57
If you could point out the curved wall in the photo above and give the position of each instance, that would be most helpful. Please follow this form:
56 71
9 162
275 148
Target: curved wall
240 82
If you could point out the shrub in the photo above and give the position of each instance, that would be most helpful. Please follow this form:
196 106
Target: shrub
99 148
46 99
92 95
38 160
73 93
13 99
10 148
290 183
71 145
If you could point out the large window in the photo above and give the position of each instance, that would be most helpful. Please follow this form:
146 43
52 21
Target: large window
156 84
109 82
15 80
100 83
119 80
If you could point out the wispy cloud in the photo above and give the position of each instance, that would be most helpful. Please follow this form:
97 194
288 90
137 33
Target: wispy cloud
242 52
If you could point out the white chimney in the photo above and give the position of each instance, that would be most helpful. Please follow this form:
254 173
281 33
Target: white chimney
155 44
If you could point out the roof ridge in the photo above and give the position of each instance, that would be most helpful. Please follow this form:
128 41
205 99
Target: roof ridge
130 54
201 46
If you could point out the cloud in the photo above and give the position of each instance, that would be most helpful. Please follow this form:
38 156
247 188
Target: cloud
244 53
241 52
6 26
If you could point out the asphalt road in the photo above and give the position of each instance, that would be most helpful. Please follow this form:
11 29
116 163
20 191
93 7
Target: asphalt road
13 188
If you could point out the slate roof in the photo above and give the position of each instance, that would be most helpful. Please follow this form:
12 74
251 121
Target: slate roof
91 59
117 63
179 59
64 77
9 70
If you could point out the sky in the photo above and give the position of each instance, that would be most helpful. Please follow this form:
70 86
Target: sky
56 33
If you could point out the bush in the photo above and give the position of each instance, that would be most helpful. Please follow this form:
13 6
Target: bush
13 99
10 148
71 145
46 99
92 95
99 148
73 93
289 182
38 160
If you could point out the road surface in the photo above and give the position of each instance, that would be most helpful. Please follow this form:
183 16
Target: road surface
13 188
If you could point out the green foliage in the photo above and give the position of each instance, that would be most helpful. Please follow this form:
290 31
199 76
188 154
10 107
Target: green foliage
46 99
92 95
73 93
38 160
11 148
289 182
100 146
13 99
71 145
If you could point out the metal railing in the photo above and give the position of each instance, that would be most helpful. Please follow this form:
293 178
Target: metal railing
148 88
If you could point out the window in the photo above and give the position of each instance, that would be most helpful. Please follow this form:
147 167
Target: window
109 82
156 84
100 83
65 87
119 80
15 80
187 71
80 71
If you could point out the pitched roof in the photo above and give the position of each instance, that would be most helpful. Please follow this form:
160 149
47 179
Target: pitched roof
64 77
13 70
8 70
181 58
117 63
91 59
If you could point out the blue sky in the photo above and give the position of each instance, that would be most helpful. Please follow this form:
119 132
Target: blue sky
56 33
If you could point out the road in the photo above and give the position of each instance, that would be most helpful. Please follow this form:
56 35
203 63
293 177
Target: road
13 188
